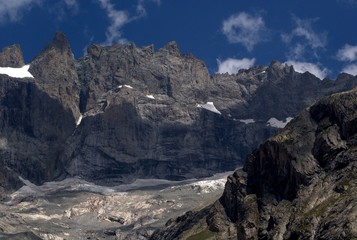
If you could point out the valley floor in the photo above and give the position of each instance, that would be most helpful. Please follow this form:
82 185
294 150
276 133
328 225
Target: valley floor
76 209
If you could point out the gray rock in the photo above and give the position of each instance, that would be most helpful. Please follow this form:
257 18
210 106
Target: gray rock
123 112
11 57
299 184
55 72
19 236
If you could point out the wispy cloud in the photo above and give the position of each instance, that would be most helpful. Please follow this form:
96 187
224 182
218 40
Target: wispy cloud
245 29
232 65
119 18
350 69
13 10
305 42
302 67
304 38
61 10
72 4
347 53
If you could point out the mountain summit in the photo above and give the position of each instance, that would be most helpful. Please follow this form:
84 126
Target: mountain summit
123 112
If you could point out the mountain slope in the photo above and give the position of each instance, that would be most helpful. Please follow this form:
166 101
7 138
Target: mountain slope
299 184
123 112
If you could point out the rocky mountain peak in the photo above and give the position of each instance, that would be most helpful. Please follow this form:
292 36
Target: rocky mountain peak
11 56
344 77
56 72
94 50
172 48
276 64
56 57
61 43
278 70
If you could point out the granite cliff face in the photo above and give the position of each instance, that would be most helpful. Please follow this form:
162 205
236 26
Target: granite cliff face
299 184
123 112
11 57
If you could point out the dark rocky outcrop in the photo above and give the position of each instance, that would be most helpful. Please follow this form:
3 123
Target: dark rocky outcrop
299 184
123 112
11 57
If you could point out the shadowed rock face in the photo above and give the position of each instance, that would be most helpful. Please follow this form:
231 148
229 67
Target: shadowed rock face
123 112
33 129
299 184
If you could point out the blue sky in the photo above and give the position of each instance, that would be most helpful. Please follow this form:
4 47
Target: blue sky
316 35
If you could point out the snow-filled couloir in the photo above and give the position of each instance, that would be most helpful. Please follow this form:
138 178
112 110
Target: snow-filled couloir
209 106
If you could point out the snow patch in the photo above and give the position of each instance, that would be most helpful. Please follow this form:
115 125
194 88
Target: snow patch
150 96
273 122
209 106
22 72
247 121
125 85
208 186
79 120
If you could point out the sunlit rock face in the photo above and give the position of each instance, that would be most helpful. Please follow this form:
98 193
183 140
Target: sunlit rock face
124 112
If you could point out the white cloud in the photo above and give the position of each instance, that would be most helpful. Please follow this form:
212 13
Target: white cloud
72 4
245 29
118 19
13 10
347 53
350 69
302 67
232 65
140 9
303 37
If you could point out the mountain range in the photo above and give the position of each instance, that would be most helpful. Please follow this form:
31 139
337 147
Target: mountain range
122 112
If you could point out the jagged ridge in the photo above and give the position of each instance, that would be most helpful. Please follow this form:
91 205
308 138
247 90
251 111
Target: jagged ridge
123 112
